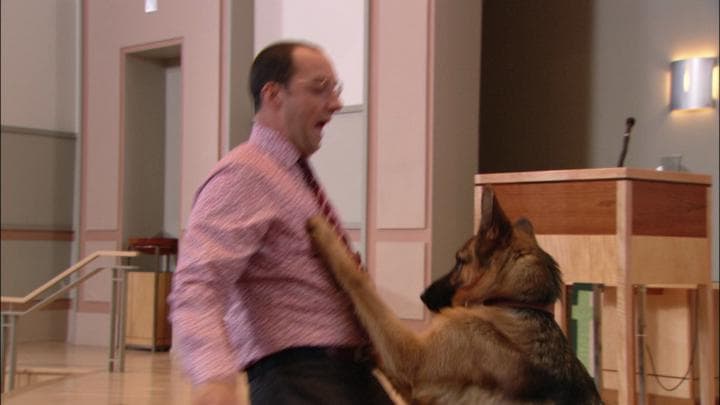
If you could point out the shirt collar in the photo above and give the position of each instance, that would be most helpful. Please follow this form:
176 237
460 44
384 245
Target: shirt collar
274 144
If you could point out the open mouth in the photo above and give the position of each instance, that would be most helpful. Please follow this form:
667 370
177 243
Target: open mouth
321 124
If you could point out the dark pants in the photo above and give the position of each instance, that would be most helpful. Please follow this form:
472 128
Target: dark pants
314 376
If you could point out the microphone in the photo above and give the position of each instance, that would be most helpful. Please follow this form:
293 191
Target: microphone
629 122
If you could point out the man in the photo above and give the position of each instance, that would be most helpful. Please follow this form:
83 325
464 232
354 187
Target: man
249 292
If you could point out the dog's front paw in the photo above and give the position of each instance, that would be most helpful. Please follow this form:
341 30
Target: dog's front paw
328 244
320 231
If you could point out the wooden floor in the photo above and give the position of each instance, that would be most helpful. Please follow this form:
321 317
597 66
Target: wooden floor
149 378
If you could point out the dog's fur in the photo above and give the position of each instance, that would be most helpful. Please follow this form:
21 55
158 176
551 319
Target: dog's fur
493 341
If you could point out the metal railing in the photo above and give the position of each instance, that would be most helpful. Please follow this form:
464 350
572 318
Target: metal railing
10 315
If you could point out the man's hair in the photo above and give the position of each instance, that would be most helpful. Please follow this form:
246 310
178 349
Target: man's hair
273 64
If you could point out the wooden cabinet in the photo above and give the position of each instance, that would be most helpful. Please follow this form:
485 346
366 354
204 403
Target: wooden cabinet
146 323
146 320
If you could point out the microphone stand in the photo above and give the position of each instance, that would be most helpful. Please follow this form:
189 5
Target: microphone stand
626 140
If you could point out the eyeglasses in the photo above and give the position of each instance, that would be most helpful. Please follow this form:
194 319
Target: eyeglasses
323 87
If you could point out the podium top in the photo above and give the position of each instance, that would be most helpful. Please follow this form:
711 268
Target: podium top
160 246
612 173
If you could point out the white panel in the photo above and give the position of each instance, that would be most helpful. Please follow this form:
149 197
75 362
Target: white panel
337 26
98 287
400 276
401 126
340 165
268 22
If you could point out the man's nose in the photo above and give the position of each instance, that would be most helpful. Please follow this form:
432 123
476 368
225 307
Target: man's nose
335 103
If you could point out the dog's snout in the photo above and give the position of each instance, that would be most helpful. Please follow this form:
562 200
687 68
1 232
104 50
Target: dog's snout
439 294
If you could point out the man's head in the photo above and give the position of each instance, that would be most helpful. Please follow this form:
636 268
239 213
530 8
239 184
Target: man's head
295 91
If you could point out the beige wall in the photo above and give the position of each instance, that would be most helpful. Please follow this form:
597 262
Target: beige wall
632 50
37 180
39 61
28 264
39 89
456 104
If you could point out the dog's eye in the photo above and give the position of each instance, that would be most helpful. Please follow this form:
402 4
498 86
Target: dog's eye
459 263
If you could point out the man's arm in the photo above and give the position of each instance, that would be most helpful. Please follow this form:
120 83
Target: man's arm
223 232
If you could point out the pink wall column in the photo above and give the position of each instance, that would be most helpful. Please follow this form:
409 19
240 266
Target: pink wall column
111 29
399 198
423 135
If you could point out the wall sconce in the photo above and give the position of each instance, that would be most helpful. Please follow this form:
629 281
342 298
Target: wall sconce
151 6
692 83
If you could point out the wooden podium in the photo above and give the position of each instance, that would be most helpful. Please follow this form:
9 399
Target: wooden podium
623 228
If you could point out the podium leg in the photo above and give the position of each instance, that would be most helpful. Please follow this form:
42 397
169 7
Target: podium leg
640 301
562 309
626 347
597 335
707 355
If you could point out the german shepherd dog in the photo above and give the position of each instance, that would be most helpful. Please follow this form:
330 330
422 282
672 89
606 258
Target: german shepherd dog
493 340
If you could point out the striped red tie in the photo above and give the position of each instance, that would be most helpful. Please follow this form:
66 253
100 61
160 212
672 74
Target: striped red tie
324 204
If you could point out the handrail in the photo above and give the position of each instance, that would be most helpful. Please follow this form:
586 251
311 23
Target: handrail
68 272
50 298
117 311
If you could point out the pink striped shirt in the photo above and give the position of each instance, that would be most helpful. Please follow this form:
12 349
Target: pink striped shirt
248 282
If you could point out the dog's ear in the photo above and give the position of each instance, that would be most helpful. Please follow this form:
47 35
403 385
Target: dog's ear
495 228
492 217
524 225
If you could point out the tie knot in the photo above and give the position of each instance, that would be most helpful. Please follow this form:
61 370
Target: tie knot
308 175
303 163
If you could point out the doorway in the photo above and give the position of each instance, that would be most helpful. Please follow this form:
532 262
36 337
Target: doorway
152 119
152 130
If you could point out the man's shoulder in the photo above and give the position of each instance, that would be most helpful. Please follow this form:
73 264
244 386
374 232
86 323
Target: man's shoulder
244 156
247 163
244 153
244 169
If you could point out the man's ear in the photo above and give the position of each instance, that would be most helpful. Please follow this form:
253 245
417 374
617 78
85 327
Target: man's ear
271 94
